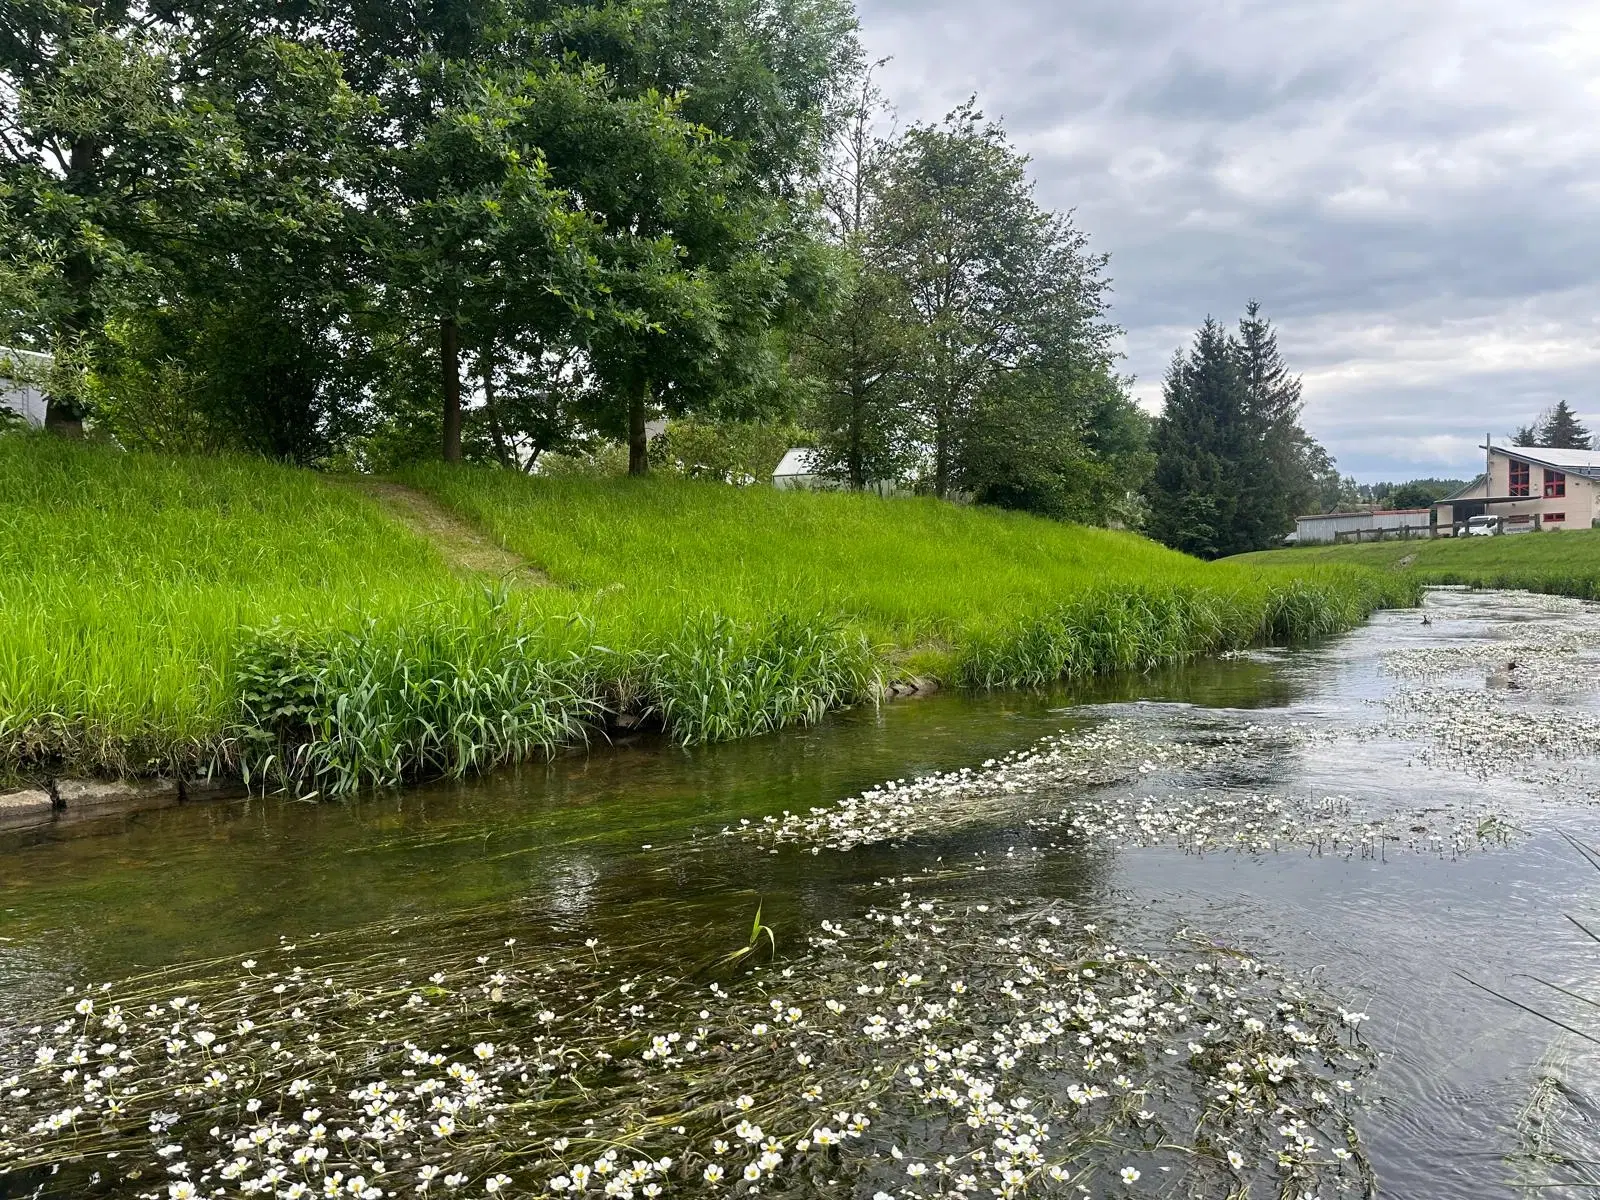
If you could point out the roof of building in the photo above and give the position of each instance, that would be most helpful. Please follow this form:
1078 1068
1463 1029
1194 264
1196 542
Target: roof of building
28 358
1481 481
799 461
1574 462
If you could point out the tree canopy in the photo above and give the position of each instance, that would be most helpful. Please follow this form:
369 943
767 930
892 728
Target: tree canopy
1233 466
1557 428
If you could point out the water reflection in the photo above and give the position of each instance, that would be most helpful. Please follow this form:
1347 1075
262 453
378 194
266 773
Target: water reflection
628 838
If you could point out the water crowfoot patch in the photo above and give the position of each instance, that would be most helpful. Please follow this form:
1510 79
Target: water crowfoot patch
927 1049
1084 788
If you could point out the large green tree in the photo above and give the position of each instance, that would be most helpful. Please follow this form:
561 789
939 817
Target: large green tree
305 209
1008 341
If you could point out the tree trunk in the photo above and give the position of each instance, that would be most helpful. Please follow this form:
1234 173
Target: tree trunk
638 439
450 361
857 456
491 405
62 415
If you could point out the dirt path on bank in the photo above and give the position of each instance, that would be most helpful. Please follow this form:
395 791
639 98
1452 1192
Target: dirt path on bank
464 547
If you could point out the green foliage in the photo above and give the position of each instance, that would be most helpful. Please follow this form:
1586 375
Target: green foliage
601 460
1421 493
445 692
1557 428
1007 314
1233 467
738 452
969 349
287 199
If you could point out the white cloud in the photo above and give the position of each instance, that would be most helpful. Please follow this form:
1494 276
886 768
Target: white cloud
1412 190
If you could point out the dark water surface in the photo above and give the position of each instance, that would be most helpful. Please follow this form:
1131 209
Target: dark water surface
630 837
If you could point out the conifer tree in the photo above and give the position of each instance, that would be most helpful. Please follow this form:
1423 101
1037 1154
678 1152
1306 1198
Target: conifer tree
1233 465
1199 442
1561 430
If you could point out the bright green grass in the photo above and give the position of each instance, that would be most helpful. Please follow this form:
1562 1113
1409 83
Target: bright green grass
189 614
911 571
127 582
1565 563
978 595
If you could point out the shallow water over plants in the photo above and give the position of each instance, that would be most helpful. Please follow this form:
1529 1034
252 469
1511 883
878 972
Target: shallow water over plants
1117 942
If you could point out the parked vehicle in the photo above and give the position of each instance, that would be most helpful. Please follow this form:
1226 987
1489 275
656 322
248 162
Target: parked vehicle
1483 526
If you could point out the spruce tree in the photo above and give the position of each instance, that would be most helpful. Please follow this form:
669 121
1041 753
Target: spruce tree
1277 484
1561 430
1199 441
1233 467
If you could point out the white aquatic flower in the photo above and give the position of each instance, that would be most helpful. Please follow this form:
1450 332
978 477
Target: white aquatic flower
484 1051
84 1007
1129 1175
713 1174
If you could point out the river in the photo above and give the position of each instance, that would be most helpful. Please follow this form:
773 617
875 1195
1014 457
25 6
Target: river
1410 792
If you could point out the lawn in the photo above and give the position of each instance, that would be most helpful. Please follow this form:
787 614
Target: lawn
183 615
1565 563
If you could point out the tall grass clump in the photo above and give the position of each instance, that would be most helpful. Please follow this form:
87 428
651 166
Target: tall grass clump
450 691
716 679
454 690
128 582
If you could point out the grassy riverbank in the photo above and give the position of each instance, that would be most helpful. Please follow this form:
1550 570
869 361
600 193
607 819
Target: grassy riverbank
1565 563
164 615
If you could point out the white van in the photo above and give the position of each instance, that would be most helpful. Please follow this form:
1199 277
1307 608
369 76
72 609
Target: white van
1483 526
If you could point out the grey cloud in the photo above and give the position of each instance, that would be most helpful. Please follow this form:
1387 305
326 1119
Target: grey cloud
1409 189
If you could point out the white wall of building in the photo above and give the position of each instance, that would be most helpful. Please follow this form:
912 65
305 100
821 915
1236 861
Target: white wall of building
23 396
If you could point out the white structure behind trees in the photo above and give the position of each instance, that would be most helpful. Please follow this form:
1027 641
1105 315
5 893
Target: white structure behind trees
22 377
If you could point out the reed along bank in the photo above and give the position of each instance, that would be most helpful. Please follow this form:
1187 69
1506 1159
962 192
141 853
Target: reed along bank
230 617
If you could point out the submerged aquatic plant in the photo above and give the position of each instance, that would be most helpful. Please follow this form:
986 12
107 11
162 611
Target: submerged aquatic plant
927 1049
1085 787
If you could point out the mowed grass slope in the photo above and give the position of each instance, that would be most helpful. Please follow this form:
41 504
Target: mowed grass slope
225 615
1564 563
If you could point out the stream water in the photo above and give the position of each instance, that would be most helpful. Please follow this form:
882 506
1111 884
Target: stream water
1430 784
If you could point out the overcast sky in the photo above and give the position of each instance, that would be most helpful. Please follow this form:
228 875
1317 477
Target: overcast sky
1410 187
